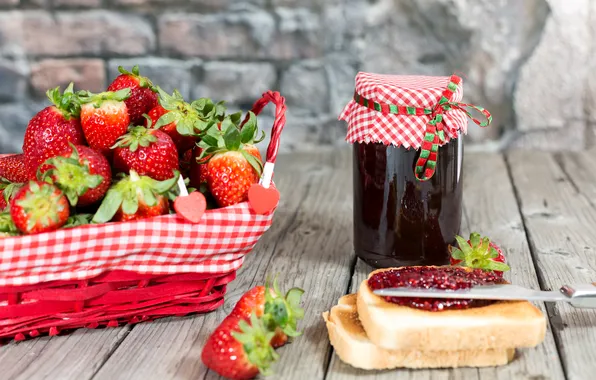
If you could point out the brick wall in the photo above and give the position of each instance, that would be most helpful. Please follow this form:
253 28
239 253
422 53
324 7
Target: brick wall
310 50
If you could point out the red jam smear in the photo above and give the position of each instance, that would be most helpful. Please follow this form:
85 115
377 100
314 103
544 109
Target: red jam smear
449 278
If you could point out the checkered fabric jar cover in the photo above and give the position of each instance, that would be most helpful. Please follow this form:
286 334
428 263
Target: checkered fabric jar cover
419 112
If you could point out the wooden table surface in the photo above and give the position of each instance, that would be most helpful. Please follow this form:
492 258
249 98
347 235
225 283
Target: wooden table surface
540 207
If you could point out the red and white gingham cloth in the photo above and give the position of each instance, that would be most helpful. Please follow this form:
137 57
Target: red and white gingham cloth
367 125
161 245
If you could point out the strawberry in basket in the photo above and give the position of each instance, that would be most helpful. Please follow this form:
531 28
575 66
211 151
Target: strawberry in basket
143 95
230 162
12 168
49 132
149 152
82 173
104 118
183 121
39 207
136 197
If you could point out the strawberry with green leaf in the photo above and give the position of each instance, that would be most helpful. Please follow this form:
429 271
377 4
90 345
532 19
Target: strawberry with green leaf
136 197
242 346
82 173
143 95
104 118
149 152
51 130
39 207
478 252
185 122
230 161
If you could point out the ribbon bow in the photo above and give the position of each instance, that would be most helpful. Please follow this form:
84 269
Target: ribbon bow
434 135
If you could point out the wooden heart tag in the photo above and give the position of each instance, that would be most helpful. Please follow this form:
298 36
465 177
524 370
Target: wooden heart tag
262 200
191 207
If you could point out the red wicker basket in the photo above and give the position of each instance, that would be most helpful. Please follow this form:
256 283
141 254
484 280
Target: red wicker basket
117 273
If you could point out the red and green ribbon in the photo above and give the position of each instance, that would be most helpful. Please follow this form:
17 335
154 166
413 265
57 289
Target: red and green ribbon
434 135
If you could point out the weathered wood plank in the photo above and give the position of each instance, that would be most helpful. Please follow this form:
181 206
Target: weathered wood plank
490 209
309 245
75 356
580 168
560 220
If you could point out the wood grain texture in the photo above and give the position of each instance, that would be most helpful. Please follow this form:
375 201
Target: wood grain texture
559 217
490 209
309 245
75 356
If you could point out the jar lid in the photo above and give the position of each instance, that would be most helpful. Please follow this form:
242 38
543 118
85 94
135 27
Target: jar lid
419 112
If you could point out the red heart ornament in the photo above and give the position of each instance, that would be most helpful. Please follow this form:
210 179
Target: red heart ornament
262 200
191 207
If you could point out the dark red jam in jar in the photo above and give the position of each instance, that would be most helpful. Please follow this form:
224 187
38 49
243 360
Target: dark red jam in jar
408 157
399 220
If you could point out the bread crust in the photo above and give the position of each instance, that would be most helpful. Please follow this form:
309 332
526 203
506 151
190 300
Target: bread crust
499 325
354 348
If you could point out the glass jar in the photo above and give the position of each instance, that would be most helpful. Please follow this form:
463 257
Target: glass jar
407 133
399 220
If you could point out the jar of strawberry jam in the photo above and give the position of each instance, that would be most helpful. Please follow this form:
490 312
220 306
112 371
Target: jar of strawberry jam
407 158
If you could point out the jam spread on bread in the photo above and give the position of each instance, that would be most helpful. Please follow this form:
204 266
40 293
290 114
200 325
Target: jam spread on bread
449 278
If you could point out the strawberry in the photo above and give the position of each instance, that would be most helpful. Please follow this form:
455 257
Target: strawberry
83 174
239 350
231 161
279 313
49 132
104 118
183 121
143 95
39 207
149 152
13 168
183 143
242 345
136 197
478 252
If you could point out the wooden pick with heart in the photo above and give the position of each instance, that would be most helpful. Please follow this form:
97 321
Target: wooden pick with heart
190 206
262 197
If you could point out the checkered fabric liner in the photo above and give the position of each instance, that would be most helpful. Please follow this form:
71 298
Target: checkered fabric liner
161 245
366 125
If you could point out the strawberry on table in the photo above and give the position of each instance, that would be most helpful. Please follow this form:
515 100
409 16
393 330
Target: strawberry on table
104 118
39 207
143 95
13 168
242 346
478 252
231 161
183 121
136 197
149 152
82 173
52 129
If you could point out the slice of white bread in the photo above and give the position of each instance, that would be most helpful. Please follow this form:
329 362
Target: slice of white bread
353 347
499 325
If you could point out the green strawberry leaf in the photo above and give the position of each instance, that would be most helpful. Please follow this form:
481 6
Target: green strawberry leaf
249 129
236 117
149 197
253 161
475 239
166 119
109 206
78 220
463 245
493 253
165 186
496 265
130 205
232 137
210 141
457 254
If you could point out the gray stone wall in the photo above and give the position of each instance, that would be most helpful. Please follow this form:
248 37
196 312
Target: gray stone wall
530 62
